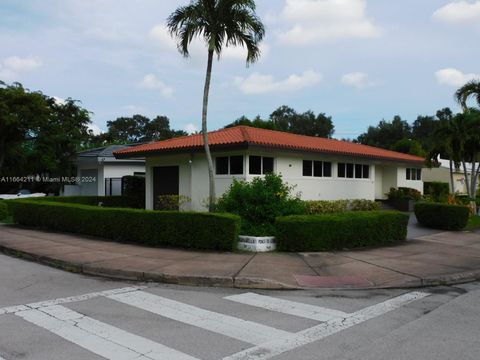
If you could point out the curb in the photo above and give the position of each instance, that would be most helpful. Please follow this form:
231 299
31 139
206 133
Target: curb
223 281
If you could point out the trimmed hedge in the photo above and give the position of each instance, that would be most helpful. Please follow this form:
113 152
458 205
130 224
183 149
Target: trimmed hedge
106 201
340 231
442 216
3 210
203 231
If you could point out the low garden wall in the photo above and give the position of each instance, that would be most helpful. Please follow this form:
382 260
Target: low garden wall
340 231
204 231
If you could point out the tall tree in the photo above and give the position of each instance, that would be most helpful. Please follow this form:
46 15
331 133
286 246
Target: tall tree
386 133
470 89
221 23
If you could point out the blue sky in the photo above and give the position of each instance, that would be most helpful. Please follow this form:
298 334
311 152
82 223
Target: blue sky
358 61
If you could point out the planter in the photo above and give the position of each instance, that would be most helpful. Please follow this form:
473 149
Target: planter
407 205
257 243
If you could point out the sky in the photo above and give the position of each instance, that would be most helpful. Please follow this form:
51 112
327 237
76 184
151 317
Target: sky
359 61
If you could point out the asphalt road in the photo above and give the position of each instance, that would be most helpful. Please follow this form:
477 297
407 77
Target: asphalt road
50 314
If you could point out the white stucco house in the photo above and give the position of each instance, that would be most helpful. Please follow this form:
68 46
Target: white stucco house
442 174
321 169
99 173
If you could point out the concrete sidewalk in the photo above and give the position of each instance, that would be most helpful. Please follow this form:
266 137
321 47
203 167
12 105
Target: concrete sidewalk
444 258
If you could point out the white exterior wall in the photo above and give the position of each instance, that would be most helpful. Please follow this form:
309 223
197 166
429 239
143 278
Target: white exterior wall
193 181
403 182
442 174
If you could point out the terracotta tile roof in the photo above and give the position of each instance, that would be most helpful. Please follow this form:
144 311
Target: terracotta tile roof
275 139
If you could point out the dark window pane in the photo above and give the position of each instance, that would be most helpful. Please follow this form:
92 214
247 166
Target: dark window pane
350 171
255 166
318 168
408 174
358 171
307 168
236 165
341 170
327 169
222 165
419 174
366 171
267 165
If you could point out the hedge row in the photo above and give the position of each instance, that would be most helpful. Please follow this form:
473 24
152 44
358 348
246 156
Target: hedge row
340 231
3 210
154 228
106 201
442 216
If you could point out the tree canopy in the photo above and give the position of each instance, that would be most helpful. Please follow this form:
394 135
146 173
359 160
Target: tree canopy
287 119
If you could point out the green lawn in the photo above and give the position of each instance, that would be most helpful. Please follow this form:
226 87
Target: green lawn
474 222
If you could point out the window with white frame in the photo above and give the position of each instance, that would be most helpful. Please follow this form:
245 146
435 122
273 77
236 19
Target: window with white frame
317 168
414 174
229 165
260 165
353 171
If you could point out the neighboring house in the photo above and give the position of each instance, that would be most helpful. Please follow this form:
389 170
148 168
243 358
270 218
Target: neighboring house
320 169
442 174
100 173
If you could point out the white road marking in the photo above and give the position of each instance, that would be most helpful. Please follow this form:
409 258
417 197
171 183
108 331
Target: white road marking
233 327
281 345
100 338
287 307
14 309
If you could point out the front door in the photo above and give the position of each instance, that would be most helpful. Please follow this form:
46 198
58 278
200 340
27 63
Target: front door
165 182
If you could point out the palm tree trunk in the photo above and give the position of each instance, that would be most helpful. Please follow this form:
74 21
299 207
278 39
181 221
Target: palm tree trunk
211 180
473 190
451 177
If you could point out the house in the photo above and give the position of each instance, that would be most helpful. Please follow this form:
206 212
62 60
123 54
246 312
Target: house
100 173
320 169
442 174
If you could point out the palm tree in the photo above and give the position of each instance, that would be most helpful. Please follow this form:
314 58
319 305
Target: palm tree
470 89
221 23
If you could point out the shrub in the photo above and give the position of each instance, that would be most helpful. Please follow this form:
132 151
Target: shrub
204 231
404 193
259 202
326 207
437 191
364 205
105 201
171 202
3 210
339 231
442 216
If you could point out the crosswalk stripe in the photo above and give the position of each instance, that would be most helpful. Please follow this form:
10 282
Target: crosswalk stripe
279 346
100 338
287 307
230 326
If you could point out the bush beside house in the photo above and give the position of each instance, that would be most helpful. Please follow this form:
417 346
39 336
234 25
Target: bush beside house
3 210
340 231
204 231
442 216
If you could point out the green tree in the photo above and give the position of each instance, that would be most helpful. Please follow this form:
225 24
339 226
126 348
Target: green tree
409 146
467 91
386 133
128 129
221 23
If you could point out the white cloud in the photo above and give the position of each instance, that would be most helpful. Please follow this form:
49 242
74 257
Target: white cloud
95 129
162 37
262 84
454 77
151 82
459 12
326 20
358 80
59 100
190 128
12 67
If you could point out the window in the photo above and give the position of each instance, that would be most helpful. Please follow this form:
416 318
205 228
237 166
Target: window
414 174
229 165
317 168
350 171
259 165
113 186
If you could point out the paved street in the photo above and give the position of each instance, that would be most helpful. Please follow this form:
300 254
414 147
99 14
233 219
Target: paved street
50 314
